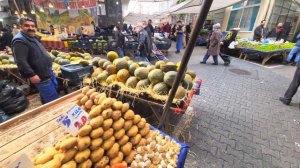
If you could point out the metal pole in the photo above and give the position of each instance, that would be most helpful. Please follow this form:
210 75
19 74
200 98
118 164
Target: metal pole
186 57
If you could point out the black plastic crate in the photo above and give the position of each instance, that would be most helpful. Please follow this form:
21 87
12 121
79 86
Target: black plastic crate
76 72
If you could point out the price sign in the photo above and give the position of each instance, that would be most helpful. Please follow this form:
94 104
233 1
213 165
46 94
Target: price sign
22 162
73 119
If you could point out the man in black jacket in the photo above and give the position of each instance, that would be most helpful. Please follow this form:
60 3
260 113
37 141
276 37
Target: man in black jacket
33 60
260 31
292 88
144 48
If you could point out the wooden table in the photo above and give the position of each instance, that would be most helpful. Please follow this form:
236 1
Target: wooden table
34 130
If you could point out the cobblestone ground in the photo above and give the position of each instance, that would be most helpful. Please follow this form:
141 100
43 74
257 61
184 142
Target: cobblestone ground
239 121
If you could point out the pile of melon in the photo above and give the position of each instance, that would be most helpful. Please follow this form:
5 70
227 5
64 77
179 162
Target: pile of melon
140 76
63 58
111 136
7 60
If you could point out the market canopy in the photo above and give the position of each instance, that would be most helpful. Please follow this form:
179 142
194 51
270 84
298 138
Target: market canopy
195 6
135 18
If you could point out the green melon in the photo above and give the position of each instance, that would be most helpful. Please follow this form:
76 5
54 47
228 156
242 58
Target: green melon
63 62
192 74
141 73
129 62
180 93
95 61
5 61
111 69
112 55
102 76
121 64
155 76
56 60
52 57
169 78
101 62
88 57
158 63
55 52
187 84
132 82
167 68
132 68
150 67
188 77
143 64
123 75
112 78
105 65
143 84
96 72
161 88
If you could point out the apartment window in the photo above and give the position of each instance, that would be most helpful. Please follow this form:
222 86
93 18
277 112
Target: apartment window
243 15
287 12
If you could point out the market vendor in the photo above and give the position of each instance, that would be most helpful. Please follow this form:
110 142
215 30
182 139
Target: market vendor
260 31
33 60
278 33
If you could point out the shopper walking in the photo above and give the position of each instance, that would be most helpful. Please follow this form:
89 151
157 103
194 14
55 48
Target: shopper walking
167 30
229 38
214 45
120 40
144 48
187 32
260 31
292 88
179 36
295 51
33 60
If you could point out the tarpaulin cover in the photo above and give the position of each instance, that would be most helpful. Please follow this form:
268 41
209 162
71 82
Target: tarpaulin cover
252 53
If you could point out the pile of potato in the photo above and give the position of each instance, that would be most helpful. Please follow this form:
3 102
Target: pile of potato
110 137
160 152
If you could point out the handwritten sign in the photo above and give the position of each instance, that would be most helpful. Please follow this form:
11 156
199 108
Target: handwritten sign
73 119
22 162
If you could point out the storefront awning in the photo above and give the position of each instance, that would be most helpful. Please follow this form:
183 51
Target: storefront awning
195 6
134 18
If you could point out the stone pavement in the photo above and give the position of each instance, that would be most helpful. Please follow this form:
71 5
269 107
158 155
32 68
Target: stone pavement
239 120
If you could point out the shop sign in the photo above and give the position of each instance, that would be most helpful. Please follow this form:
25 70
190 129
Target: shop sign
22 162
73 119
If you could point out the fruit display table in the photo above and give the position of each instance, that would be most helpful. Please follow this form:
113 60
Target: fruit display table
264 51
249 53
35 129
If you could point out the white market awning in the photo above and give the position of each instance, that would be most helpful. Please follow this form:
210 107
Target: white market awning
176 7
196 5
134 18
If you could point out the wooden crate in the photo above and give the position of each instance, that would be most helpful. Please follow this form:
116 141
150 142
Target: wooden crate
34 130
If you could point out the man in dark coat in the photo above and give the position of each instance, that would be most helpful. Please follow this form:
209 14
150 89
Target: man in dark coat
292 88
33 60
260 31
144 48
278 33
151 27
120 41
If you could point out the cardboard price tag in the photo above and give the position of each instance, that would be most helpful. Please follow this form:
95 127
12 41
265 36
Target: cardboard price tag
73 119
22 162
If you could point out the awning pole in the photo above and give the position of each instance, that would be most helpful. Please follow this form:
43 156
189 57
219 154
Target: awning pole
186 57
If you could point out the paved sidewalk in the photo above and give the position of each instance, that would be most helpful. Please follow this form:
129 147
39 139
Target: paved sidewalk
239 120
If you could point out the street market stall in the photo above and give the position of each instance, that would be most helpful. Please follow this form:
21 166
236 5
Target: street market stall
124 136
264 51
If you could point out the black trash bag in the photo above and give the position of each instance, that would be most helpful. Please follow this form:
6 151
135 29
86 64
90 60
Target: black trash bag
12 100
3 116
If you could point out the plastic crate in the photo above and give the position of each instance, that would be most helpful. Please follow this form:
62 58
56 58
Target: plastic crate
76 72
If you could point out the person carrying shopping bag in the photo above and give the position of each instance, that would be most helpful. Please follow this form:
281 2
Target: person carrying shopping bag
214 44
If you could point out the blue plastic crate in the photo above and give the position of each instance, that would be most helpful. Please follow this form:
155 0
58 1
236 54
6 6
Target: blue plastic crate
76 72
